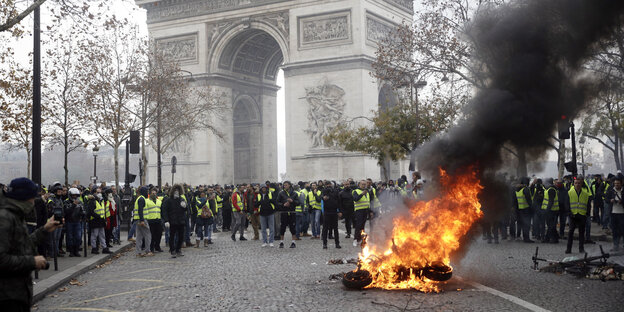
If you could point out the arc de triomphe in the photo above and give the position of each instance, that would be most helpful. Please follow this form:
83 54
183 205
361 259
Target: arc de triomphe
325 48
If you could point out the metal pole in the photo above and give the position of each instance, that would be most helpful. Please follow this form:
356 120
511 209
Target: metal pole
583 160
126 180
572 137
159 158
140 171
94 169
36 110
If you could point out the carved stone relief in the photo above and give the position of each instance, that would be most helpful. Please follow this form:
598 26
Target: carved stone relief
180 48
327 29
175 9
325 111
407 5
279 20
377 29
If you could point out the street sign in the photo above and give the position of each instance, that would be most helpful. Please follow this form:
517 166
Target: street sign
174 162
93 178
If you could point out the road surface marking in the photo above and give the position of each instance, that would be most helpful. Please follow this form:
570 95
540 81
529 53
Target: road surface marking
525 304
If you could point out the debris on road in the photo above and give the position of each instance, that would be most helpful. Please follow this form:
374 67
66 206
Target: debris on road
342 261
595 267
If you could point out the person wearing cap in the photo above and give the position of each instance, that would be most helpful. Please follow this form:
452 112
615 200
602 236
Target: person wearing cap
18 255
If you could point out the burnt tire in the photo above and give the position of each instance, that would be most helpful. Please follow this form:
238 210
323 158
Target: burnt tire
357 279
438 272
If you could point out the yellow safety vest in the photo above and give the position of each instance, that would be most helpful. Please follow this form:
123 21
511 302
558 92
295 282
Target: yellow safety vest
363 203
154 210
299 207
219 203
376 202
578 203
522 201
270 198
555 206
312 199
146 209
239 200
100 209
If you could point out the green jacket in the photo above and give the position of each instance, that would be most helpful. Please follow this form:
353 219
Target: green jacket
17 251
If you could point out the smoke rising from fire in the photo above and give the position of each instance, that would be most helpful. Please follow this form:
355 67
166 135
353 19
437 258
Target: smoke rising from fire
531 53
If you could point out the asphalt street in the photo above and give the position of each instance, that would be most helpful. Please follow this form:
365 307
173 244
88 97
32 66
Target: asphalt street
243 276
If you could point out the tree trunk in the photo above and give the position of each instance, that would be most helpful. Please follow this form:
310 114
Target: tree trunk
561 161
65 154
143 157
116 156
29 160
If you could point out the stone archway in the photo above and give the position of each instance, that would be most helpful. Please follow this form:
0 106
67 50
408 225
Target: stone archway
247 136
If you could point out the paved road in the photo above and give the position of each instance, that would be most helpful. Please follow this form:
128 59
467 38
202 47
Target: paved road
242 276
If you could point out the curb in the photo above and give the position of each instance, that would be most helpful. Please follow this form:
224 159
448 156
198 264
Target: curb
49 285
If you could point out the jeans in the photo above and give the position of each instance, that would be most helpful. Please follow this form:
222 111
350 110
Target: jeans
305 222
298 223
525 220
187 231
73 236
316 222
132 230
238 223
117 230
203 229
617 224
540 226
267 222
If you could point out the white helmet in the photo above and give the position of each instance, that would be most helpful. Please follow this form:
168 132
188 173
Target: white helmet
73 191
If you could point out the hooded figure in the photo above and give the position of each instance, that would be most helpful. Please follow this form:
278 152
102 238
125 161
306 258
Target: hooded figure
17 248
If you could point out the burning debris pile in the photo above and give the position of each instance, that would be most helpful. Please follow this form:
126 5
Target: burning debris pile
595 267
419 252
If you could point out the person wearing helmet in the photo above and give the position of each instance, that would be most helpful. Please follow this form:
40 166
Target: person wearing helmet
74 215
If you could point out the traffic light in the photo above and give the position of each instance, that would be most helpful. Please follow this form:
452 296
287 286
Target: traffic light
564 128
571 167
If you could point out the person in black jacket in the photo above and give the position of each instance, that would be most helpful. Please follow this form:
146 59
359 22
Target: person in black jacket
287 200
331 212
267 202
174 215
346 206
74 215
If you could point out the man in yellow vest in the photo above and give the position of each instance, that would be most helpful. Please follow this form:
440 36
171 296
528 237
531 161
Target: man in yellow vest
314 206
154 220
143 234
549 212
521 199
361 203
238 214
96 214
580 199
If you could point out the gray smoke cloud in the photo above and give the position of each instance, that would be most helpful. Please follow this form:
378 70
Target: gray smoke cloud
532 52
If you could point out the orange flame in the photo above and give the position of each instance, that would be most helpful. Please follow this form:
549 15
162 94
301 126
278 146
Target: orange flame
428 234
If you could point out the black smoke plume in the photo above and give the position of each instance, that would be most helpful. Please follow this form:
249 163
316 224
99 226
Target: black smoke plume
532 54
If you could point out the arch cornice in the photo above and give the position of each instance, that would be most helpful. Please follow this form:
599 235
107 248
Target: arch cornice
231 32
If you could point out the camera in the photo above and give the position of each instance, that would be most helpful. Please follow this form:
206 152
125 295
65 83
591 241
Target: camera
58 214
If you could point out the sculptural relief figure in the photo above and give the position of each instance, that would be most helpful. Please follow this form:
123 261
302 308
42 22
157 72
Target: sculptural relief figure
326 109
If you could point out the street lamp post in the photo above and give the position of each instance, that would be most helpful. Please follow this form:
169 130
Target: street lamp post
95 153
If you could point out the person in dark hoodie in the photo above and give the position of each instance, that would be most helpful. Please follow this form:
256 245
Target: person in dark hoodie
346 207
174 216
331 212
18 254
287 200
266 203
521 199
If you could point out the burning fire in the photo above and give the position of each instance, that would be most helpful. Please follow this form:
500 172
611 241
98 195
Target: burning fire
425 238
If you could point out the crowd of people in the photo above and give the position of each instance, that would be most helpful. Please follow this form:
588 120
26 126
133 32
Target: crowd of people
541 210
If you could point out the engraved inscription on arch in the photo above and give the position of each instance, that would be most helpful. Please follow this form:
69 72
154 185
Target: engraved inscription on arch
180 48
164 10
324 30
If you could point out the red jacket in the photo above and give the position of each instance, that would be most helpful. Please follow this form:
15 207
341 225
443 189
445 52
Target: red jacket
235 204
111 219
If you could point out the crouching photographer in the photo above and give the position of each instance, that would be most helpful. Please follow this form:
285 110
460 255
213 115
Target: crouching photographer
18 249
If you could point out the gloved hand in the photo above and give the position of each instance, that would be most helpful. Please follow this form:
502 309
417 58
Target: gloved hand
183 204
167 224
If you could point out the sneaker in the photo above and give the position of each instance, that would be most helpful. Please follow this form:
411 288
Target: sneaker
264 244
348 236
173 255
324 246
281 245
149 254
355 243
179 254
271 245
292 245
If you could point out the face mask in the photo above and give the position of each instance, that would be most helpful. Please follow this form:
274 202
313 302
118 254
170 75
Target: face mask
176 194
110 197
98 196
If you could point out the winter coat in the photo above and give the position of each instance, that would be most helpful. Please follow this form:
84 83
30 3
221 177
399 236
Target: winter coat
346 201
73 213
282 198
173 211
265 205
97 222
17 251
331 204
